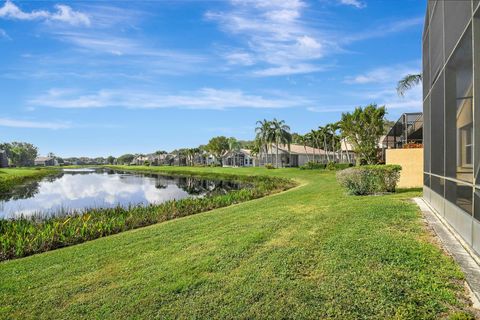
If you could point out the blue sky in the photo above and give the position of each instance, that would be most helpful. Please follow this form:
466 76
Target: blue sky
96 78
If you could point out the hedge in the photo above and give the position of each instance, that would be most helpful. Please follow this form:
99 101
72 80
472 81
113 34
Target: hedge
371 179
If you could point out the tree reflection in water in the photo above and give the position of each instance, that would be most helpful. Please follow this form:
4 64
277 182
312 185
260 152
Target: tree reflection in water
83 189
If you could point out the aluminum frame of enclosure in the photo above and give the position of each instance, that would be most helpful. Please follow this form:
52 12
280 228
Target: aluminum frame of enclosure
451 111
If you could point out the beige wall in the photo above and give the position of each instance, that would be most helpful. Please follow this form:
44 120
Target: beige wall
411 161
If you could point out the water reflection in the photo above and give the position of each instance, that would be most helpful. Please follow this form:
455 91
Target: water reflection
82 189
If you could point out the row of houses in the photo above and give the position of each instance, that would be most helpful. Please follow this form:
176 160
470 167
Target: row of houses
295 156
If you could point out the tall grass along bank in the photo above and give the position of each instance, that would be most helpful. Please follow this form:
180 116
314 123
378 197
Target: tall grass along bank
25 236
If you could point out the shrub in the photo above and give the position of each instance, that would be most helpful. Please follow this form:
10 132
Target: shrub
330 166
310 165
370 179
269 166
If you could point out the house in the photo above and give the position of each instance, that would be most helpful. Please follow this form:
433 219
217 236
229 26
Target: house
296 156
403 145
346 153
450 121
239 158
3 159
44 161
407 130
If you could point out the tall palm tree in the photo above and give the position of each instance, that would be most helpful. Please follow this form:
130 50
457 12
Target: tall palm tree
332 130
408 82
264 135
323 132
312 138
280 134
303 140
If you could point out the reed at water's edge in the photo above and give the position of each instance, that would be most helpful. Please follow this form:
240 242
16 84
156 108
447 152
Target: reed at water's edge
27 236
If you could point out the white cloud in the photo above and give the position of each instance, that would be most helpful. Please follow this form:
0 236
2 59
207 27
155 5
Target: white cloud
389 74
288 70
64 14
4 34
276 39
239 58
355 3
13 123
207 98
383 30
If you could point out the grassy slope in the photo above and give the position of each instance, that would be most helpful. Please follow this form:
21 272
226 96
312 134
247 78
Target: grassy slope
311 252
9 177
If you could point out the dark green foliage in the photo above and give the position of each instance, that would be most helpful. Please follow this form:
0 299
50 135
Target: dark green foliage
370 179
26 236
363 128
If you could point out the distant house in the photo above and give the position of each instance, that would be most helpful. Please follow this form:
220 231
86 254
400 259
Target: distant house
296 156
3 159
239 158
44 161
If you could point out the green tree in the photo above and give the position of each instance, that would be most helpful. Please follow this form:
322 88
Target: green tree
125 159
233 144
408 82
111 159
303 140
363 129
280 135
263 133
217 146
22 154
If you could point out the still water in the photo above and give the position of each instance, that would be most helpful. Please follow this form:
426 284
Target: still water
80 189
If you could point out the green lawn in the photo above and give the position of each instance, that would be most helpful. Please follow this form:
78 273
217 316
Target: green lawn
10 177
310 252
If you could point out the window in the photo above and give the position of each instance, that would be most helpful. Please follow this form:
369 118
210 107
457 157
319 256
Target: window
426 180
437 184
457 16
459 111
436 41
476 213
426 135
437 127
459 194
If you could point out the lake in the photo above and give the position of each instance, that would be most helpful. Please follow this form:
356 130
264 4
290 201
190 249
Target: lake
81 189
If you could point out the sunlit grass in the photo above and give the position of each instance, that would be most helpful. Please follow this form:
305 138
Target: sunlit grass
310 252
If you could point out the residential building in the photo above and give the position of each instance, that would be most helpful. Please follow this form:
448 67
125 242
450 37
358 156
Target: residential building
239 158
295 156
451 84
3 159
44 161
408 130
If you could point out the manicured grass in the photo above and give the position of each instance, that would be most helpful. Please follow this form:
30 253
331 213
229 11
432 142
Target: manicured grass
10 177
310 252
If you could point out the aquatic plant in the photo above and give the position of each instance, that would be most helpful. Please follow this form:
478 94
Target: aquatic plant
29 235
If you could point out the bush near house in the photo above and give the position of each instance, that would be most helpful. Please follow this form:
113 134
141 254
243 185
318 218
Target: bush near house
372 179
330 166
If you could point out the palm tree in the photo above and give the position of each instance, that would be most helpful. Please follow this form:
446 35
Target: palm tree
280 134
332 130
323 132
408 82
264 135
312 136
303 140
